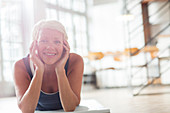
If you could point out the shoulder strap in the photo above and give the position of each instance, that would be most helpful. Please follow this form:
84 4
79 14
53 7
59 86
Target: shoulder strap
66 66
26 62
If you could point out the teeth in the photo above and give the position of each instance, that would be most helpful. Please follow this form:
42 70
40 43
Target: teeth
49 54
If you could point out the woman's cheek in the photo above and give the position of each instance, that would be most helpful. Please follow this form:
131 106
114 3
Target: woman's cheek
40 47
60 47
61 50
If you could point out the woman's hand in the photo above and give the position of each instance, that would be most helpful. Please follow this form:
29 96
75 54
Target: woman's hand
62 61
35 57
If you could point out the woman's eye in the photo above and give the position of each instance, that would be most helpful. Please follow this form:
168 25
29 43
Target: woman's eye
57 42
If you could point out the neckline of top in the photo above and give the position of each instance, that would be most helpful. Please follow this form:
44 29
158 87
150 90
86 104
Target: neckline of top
49 93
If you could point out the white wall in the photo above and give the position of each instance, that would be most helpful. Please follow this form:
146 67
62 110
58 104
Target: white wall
108 31
108 34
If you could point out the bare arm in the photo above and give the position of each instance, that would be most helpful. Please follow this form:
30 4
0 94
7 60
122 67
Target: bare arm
28 91
70 87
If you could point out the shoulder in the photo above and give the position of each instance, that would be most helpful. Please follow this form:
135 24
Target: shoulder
75 58
20 69
19 64
75 61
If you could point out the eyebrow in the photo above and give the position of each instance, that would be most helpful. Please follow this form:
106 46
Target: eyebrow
57 37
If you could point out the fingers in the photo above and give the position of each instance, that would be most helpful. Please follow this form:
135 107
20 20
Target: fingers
34 55
66 45
33 50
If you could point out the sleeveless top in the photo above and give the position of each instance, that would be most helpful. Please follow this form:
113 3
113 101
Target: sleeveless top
47 101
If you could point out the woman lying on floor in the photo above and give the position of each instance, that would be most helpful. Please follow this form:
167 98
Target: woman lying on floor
50 77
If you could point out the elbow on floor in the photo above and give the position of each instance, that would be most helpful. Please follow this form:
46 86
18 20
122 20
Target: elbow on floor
25 109
69 109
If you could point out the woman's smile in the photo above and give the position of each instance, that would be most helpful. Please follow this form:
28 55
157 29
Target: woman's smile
50 45
49 54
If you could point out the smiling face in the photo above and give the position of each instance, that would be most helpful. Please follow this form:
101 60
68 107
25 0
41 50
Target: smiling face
50 45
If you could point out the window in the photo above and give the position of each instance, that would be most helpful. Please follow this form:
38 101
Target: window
10 37
72 14
79 5
65 3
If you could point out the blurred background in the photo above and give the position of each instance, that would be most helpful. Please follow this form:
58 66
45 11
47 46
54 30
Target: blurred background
125 45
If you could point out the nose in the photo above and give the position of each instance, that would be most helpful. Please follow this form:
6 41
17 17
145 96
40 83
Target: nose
49 47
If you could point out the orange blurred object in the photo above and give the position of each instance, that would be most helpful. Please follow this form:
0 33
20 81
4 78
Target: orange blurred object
95 55
118 58
128 51
153 54
150 49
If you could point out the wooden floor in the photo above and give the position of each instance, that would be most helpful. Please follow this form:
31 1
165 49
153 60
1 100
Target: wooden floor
119 100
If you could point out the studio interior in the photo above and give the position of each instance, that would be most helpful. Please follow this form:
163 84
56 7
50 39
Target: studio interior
125 46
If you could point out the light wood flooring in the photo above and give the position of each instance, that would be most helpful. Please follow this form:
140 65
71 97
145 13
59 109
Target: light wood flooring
119 100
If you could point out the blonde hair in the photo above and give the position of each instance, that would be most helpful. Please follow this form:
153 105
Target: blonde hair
50 24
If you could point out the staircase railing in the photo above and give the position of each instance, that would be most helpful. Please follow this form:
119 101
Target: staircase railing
153 38
156 12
